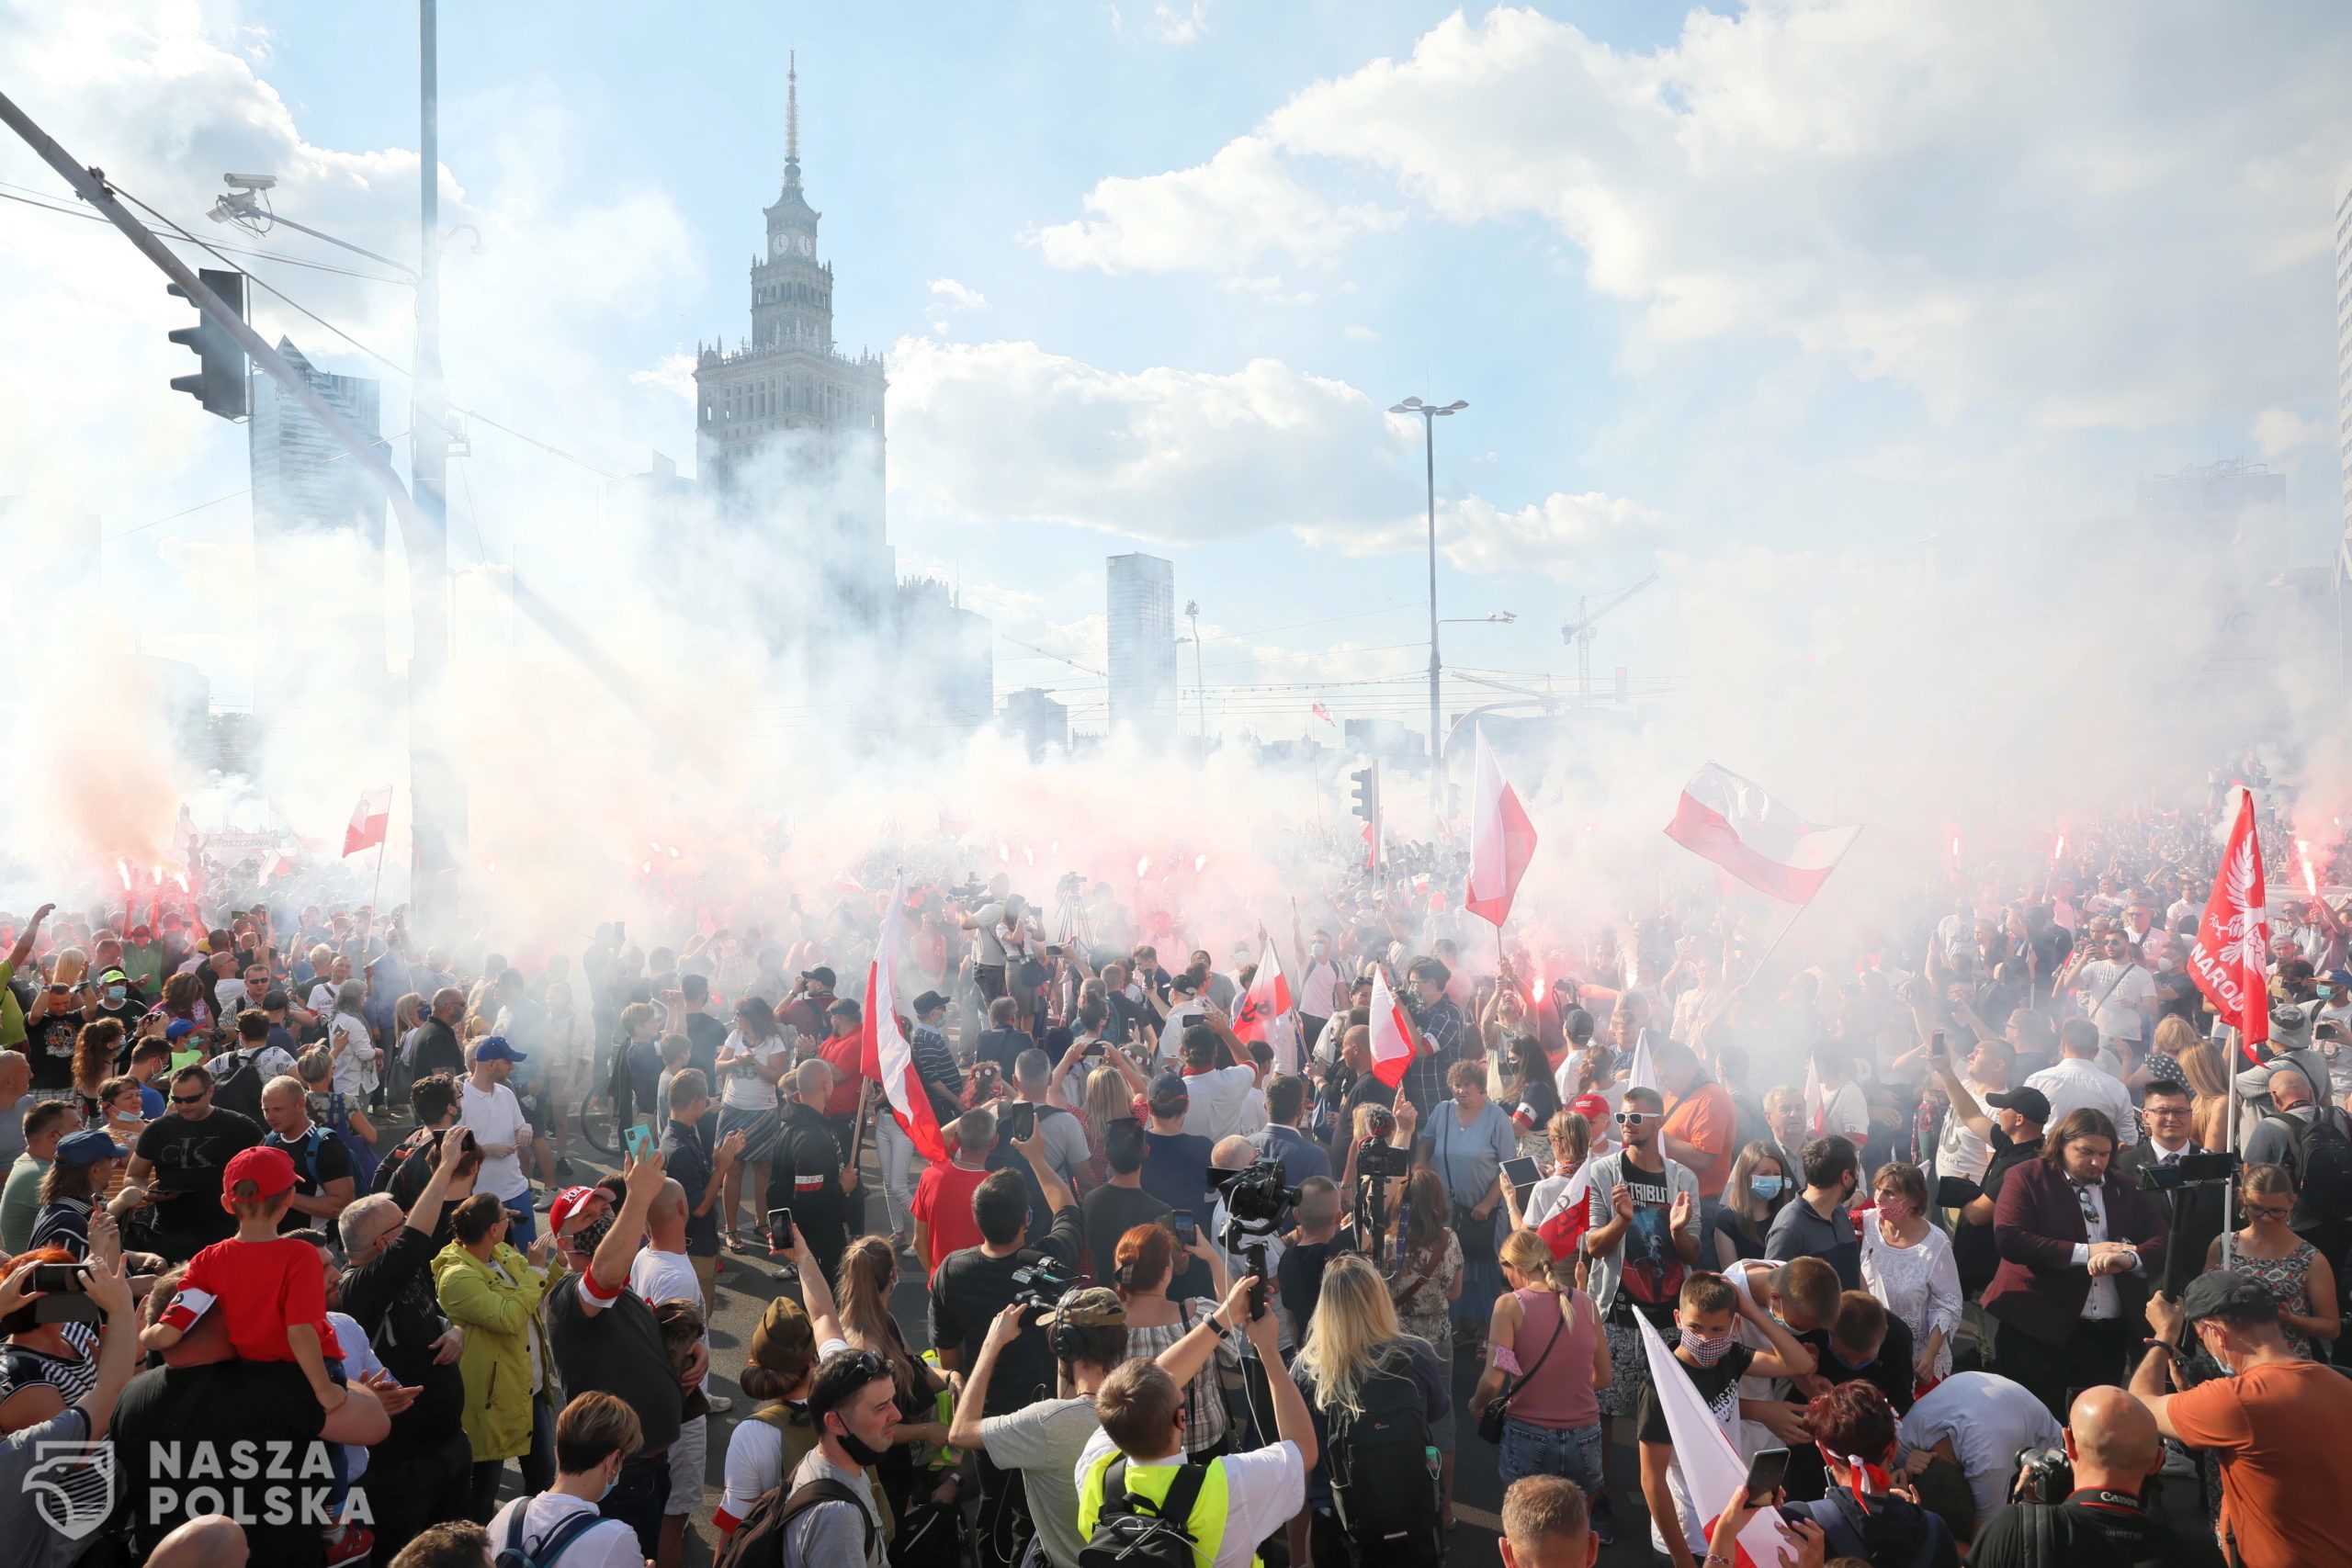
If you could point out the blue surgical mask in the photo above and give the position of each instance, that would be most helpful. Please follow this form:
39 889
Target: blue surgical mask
1767 1187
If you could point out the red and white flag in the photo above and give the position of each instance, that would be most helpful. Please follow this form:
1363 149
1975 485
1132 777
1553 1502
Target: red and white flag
1735 824
1816 1109
1324 714
1640 1073
884 1054
1264 1013
2230 955
372 820
1392 1036
1707 1461
1502 840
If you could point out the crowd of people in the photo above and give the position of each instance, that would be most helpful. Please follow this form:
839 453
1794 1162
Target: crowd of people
1979 1243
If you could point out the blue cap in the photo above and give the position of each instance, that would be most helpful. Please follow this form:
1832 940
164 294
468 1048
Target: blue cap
178 1028
493 1048
88 1148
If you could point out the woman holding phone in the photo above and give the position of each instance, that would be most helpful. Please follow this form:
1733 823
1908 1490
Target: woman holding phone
1147 1262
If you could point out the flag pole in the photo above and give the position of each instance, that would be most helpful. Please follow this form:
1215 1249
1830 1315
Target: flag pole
2230 1146
1801 908
375 893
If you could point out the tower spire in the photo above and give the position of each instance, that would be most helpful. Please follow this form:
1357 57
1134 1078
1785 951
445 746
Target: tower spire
792 119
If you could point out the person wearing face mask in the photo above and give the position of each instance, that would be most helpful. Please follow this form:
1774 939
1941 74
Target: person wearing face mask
1754 1195
593 1438
832 1516
2281 1426
1322 989
1817 1224
1707 1352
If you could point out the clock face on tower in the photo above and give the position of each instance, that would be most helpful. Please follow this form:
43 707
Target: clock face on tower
807 245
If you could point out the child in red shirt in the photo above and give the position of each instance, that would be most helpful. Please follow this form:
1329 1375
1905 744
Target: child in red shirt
271 1289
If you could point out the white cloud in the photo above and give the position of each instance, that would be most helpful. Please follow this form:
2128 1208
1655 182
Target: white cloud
1226 215
1355 334
957 296
1564 537
1982 200
675 374
1168 21
2280 431
1006 432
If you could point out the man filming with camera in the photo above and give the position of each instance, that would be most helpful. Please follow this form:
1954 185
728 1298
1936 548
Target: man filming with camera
1088 1332
2100 1521
972 1286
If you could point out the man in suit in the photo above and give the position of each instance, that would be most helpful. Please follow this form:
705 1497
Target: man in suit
2192 1214
2078 1244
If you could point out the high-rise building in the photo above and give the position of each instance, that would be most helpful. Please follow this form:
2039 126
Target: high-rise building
789 429
2342 572
318 518
1142 635
1031 716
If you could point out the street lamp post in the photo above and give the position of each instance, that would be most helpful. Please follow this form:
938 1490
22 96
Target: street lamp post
1431 413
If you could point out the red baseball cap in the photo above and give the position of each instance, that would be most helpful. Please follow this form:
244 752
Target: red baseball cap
566 1204
1591 1107
270 1169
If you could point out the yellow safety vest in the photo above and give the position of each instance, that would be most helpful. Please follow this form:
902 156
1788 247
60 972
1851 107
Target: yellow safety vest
1151 1481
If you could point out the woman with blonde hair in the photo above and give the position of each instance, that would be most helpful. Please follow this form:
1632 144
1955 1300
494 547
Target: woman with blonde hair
869 1273
1547 1350
2175 1038
1353 1339
1145 1263
2208 1073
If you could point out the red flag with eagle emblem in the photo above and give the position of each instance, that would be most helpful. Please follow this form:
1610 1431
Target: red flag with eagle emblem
2231 953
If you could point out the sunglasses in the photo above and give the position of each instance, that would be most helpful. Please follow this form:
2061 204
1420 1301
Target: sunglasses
1636 1117
188 1100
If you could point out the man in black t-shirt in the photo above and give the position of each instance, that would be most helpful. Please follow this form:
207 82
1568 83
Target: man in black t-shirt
180 1160
605 1338
969 1290
323 1179
423 1471
1707 1352
2112 1439
1121 1203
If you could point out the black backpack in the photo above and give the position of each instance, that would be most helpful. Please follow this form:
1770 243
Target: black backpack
1384 1484
514 1552
1135 1532
758 1541
240 1091
2319 1157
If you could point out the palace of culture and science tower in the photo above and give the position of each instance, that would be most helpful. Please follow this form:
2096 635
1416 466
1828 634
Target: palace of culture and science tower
791 439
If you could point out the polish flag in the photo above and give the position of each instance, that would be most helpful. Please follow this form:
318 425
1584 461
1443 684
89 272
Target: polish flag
1392 1036
1324 714
1735 824
1704 1456
2230 955
1264 1013
1502 840
883 1053
372 820
1564 1229
1816 1109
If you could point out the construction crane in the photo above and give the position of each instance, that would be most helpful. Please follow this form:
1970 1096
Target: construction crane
1579 632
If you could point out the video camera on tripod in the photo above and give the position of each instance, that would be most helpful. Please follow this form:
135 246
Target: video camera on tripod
1255 1202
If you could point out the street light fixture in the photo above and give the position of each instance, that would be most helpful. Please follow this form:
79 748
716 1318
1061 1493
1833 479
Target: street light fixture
1431 413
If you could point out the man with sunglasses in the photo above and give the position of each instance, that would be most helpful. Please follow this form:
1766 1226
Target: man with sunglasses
180 1160
1643 1242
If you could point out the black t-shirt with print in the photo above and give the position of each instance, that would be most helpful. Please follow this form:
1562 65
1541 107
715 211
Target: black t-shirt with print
190 1158
49 1043
1718 1386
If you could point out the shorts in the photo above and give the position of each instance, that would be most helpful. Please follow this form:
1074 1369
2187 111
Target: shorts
732 1117
686 1460
1570 1451
989 978
1629 1368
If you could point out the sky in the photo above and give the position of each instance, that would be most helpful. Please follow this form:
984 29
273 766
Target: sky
1761 299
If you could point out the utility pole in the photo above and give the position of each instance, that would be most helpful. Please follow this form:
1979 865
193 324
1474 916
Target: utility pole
436 798
1431 413
1200 681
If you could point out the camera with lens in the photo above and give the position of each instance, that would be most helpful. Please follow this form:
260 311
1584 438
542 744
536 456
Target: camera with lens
1255 1194
2044 1475
1042 1280
1383 1159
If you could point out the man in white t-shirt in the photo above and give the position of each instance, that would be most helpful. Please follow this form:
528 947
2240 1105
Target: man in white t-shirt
2078 1080
1220 1096
1185 1009
596 1432
662 1271
488 1108
2117 991
1141 1408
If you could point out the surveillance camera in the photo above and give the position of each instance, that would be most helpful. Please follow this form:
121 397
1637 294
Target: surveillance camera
251 182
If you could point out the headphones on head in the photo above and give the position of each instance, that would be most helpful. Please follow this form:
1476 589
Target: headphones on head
1064 1336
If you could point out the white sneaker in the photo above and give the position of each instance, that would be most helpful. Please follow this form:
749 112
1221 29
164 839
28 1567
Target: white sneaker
719 1404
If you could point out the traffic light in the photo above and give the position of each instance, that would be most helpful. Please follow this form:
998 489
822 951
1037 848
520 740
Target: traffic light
220 384
1622 684
1367 791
